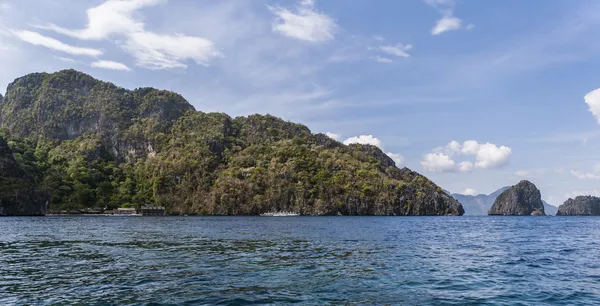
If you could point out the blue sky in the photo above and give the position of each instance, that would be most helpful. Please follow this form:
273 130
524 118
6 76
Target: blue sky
475 95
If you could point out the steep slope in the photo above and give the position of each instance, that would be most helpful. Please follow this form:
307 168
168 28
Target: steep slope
18 197
580 206
98 145
478 205
522 199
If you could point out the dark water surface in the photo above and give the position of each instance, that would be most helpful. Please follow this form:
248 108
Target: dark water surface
319 260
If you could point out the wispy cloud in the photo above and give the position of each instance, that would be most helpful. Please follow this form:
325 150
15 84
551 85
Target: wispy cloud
399 50
304 23
151 50
448 22
110 65
38 39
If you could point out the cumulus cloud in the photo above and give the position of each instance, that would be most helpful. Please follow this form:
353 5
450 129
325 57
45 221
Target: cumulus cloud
438 162
470 191
304 23
151 50
397 158
491 156
365 139
486 155
465 166
333 136
110 65
370 140
592 99
582 175
38 39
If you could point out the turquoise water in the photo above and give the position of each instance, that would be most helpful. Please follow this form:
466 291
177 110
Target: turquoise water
282 260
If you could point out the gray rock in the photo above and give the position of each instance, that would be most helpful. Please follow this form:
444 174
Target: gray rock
580 206
523 199
478 205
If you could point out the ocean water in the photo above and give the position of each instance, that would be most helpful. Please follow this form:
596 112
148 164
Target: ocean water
304 260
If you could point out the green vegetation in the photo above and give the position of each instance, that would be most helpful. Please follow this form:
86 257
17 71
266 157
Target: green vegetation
92 144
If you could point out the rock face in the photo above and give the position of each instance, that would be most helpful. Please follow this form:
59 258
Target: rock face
580 206
479 205
523 199
18 196
93 144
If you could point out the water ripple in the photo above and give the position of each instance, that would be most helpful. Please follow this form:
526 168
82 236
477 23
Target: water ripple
326 260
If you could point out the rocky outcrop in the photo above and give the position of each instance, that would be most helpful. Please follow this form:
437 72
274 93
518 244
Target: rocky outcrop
93 144
479 205
18 196
523 199
580 206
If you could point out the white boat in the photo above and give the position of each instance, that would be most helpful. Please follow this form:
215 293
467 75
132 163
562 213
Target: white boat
280 214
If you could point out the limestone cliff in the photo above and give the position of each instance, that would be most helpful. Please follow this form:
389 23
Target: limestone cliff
93 144
580 206
523 199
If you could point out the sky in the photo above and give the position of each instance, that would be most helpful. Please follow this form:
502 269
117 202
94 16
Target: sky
475 95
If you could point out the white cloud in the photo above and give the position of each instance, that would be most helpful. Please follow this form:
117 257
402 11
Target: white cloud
305 23
397 158
370 140
470 191
110 17
448 22
333 136
110 65
156 51
487 155
365 139
445 24
151 50
491 156
582 175
397 50
38 39
381 59
66 59
465 166
438 162
378 38
592 99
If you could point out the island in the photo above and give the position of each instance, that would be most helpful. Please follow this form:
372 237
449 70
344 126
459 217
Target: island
90 145
523 199
580 206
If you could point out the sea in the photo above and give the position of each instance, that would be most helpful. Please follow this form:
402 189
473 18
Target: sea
299 260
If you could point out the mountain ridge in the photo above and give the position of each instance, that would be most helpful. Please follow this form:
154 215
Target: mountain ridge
95 144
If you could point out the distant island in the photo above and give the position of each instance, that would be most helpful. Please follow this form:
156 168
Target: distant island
580 206
71 143
522 199
479 205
